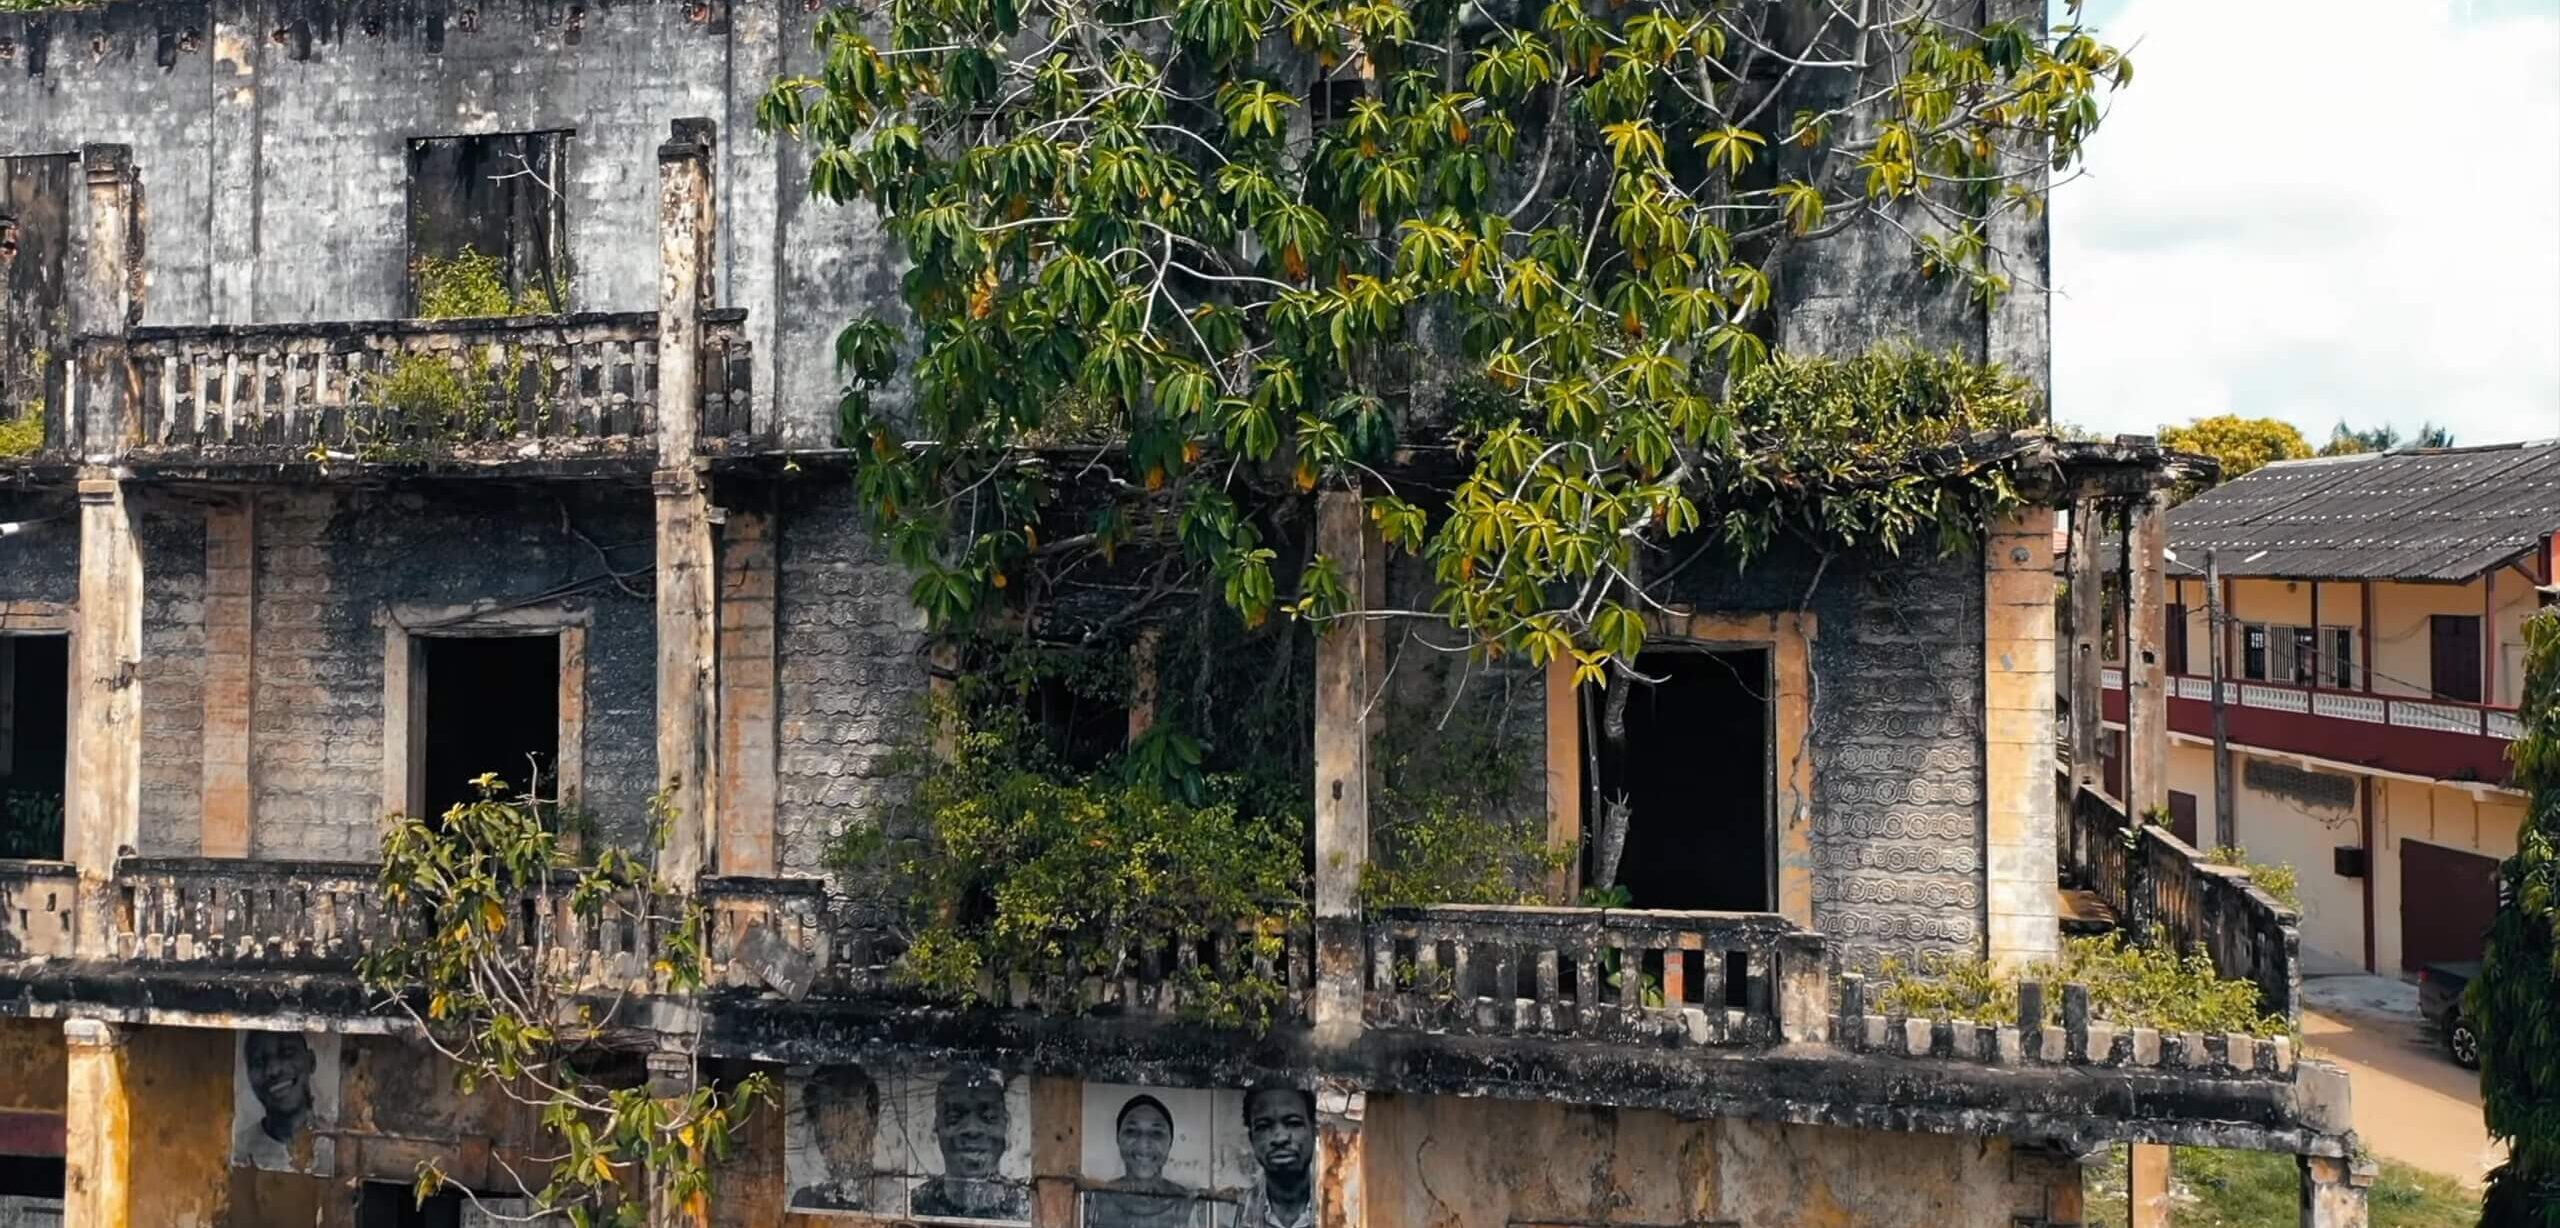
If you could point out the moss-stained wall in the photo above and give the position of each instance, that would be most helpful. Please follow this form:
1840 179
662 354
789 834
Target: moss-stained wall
31 1064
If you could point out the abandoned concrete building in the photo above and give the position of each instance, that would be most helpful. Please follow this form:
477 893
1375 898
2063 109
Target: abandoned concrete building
241 621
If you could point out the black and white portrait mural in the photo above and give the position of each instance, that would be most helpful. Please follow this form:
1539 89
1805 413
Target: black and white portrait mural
284 1100
933 1146
1183 1158
832 1157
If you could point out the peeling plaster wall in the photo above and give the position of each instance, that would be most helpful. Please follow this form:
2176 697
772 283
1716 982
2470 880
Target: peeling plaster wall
33 1073
331 562
40 562
1447 1162
180 1081
170 536
272 137
850 677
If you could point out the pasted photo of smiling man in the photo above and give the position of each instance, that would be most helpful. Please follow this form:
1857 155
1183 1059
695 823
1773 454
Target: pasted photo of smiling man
284 1098
973 1128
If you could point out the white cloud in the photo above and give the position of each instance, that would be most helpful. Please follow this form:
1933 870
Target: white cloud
2313 212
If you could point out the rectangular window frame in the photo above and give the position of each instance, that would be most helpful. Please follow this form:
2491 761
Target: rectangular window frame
28 620
404 699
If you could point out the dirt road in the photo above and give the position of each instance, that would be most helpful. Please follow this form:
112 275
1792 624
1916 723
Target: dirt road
2411 1102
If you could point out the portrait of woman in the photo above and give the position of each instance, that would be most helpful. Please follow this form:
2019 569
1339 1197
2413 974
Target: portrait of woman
1142 1196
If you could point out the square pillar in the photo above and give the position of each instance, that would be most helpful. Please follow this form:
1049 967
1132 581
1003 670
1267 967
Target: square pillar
2333 1191
97 1113
106 303
688 609
1343 671
2088 615
2146 666
747 673
2020 908
230 629
1340 1155
2147 1184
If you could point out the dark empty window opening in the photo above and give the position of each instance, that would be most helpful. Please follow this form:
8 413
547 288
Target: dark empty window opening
1692 774
35 742
500 198
492 706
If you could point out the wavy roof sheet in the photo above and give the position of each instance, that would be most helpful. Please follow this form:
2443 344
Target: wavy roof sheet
2434 514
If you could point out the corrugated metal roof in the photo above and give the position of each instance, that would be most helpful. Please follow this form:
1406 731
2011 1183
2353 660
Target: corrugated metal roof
2435 514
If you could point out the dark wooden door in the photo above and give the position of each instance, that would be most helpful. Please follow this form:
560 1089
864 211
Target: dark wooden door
2182 817
2447 898
2454 656
35 298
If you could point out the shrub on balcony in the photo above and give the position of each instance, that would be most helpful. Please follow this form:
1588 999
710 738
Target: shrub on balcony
23 433
1451 823
2130 985
1022 865
469 284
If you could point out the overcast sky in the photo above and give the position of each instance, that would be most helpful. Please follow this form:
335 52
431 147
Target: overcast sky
2315 211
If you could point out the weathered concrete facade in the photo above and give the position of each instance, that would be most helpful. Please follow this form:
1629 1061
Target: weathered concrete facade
255 605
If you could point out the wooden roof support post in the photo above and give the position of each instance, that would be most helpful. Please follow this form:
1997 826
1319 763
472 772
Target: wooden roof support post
2145 667
1343 672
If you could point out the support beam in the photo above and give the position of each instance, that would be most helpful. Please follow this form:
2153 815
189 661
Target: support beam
230 631
1342 774
687 608
2088 618
2146 737
2020 908
2333 1191
104 802
1057 1150
97 1154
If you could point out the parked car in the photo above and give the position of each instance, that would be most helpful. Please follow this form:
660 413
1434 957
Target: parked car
2440 989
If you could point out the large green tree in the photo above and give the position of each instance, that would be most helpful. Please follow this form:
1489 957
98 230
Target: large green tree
2243 445
1212 254
2517 997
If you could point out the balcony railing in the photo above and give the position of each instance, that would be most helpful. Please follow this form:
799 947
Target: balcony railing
495 388
1681 978
2161 885
2428 737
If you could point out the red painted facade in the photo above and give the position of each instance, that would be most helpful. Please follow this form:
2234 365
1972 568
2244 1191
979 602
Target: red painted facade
2435 753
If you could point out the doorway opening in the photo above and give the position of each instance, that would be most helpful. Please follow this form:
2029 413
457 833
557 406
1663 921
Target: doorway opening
35 743
492 706
1686 759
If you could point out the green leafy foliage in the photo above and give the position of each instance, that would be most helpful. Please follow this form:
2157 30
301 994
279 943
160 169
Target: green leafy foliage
2130 985
2347 441
1144 221
2263 1189
2277 879
471 966
1025 866
2243 445
1451 825
22 434
2516 998
469 284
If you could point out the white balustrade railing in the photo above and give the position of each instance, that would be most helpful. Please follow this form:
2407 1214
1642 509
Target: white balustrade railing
2371 709
2447 718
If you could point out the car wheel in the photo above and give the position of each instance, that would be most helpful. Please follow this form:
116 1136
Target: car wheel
2463 1044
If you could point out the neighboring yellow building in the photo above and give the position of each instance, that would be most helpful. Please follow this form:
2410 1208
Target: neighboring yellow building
2373 655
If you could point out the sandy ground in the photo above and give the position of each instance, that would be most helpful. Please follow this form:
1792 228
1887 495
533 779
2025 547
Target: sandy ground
2412 1103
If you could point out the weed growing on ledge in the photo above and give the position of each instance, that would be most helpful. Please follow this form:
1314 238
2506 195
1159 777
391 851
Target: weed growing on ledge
2129 985
469 284
2274 878
23 435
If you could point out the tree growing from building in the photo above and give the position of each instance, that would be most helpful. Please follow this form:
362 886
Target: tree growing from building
1213 254
485 960
2516 999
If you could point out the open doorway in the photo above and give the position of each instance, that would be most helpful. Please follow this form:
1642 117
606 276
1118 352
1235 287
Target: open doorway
1691 771
35 743
492 705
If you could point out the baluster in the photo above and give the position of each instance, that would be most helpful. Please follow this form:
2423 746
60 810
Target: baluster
1551 1012
1506 984
1675 970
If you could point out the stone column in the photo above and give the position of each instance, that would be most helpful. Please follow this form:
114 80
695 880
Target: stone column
106 303
2146 676
97 1114
1340 1155
687 609
2088 616
2147 1184
2333 1191
104 802
1342 774
2020 909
